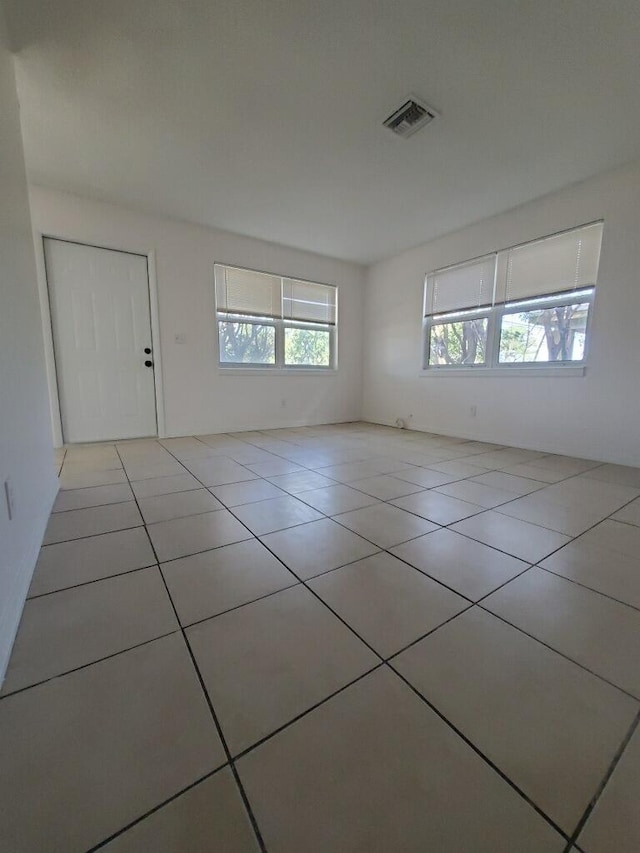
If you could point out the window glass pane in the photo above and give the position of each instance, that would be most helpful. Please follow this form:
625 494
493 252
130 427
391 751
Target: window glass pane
458 342
544 334
307 347
246 343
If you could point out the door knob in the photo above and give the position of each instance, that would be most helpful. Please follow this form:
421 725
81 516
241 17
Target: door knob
148 363
147 350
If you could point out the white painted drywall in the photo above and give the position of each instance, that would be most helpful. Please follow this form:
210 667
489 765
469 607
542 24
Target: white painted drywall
596 415
198 398
26 455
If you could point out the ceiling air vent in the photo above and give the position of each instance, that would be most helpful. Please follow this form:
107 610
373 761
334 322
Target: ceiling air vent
411 116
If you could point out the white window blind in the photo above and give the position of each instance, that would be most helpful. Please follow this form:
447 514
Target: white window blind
525 305
463 287
247 293
308 302
271 322
555 264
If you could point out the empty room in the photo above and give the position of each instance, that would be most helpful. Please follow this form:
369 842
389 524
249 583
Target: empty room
319 443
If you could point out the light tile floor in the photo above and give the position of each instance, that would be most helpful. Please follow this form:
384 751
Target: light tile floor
336 638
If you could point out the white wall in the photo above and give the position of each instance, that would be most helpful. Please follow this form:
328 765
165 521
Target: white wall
26 456
197 398
596 415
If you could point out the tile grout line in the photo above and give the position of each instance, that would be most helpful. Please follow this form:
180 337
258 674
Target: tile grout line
466 456
298 578
574 539
562 654
230 759
240 787
88 583
536 565
603 783
483 510
297 581
385 662
479 753
543 455
385 550
256 536
156 565
571 581
89 663
248 749
575 582
504 583
364 460
91 535
155 809
91 506
388 501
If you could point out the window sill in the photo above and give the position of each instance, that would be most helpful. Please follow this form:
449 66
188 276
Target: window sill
277 371
505 372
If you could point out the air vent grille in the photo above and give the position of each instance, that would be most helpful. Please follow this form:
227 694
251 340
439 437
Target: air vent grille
411 116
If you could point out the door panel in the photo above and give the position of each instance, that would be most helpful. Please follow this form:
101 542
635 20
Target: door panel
101 326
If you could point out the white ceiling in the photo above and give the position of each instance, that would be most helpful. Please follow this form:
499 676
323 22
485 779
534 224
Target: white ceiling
264 116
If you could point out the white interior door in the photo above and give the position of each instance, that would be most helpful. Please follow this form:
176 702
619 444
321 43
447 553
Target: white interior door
102 339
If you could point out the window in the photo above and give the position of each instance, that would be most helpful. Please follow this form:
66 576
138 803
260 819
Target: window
267 321
545 330
457 313
526 306
246 343
458 340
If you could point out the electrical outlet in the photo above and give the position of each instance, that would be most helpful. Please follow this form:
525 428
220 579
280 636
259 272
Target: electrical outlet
10 498
473 411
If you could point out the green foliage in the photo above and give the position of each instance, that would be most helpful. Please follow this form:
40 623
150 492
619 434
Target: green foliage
546 334
513 344
555 333
255 343
310 347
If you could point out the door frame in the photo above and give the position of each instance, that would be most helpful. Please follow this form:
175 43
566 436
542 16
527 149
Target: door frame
47 329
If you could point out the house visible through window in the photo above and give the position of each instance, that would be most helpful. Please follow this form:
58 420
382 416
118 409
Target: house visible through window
268 321
528 305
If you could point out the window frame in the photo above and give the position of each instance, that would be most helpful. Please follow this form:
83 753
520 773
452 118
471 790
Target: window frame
279 324
314 327
495 312
465 314
246 320
556 300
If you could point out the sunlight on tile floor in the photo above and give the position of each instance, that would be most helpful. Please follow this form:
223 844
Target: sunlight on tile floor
335 638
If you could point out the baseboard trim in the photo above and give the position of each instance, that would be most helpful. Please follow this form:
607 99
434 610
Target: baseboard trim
289 424
413 427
